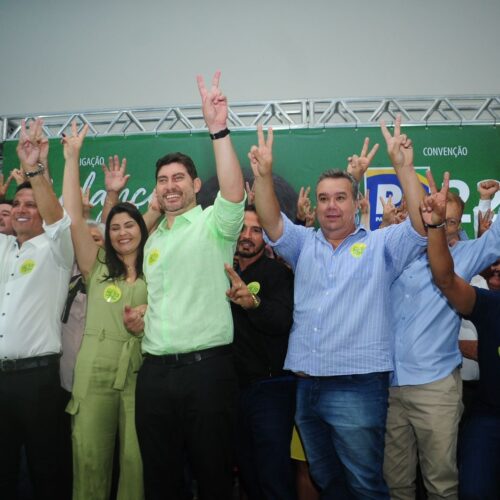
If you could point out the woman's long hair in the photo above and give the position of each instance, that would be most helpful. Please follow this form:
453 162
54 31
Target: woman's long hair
116 267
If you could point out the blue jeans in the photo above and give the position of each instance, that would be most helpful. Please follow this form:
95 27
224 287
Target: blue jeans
265 423
479 457
341 421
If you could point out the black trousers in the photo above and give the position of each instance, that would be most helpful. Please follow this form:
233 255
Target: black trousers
31 414
187 409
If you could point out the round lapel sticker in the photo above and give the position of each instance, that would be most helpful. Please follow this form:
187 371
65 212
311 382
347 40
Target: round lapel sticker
153 256
27 266
254 287
112 294
358 249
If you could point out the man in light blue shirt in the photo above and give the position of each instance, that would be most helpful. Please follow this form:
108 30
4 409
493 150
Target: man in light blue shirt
340 341
425 400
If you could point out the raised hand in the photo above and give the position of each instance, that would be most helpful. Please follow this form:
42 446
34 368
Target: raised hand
213 104
484 221
487 189
73 143
5 185
28 149
358 165
433 206
43 143
402 211
389 212
250 193
305 212
18 176
364 202
87 206
303 203
238 293
399 146
115 178
261 156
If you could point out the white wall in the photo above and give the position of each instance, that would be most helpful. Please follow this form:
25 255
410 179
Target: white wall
62 55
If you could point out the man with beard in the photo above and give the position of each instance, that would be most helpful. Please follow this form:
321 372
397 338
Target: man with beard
262 307
492 275
186 387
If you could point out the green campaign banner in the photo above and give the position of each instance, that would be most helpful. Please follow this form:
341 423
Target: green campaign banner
470 153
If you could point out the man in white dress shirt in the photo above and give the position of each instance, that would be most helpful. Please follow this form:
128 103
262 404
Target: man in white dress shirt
35 268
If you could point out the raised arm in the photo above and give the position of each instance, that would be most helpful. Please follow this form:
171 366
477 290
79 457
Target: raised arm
85 247
28 151
215 112
266 201
459 293
400 151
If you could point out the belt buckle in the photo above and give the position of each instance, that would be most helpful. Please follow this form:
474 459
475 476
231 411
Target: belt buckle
7 365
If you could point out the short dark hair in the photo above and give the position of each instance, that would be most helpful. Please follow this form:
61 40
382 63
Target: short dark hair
116 267
24 185
454 198
336 173
250 207
5 202
177 158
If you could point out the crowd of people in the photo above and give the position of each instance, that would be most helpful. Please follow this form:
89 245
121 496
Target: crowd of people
160 350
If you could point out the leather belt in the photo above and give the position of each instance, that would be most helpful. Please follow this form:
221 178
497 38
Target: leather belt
14 365
185 358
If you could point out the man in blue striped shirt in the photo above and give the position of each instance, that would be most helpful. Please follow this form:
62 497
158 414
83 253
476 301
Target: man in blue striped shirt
425 398
340 343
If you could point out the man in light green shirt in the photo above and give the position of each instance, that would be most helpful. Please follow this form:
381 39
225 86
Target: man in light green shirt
186 386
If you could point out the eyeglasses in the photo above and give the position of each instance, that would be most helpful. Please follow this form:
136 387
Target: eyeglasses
452 222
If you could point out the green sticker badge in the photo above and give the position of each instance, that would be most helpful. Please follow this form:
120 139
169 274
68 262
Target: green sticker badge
358 249
254 287
27 266
153 256
112 294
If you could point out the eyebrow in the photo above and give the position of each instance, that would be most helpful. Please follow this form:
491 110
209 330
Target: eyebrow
332 194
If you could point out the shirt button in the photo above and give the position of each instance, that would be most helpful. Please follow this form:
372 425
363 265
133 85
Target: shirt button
315 329
8 293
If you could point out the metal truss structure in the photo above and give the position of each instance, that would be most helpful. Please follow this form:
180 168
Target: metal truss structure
286 114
